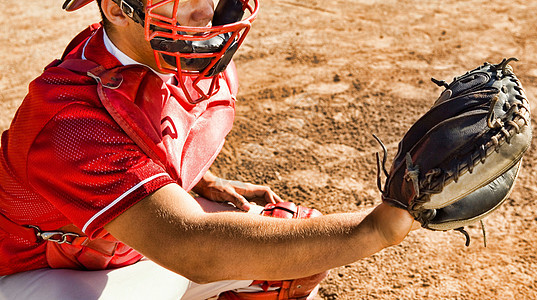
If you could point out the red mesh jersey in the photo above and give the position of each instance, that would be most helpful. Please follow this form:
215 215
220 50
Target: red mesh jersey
64 160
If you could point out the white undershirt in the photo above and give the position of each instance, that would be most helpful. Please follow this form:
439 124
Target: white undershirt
125 60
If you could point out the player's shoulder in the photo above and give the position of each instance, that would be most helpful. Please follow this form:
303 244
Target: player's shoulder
56 97
57 88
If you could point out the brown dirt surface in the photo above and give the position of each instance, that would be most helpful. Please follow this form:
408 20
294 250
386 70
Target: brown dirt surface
317 79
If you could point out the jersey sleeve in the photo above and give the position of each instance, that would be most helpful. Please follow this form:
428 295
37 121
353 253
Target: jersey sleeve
89 169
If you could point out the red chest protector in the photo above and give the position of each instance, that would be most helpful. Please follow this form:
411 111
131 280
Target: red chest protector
184 138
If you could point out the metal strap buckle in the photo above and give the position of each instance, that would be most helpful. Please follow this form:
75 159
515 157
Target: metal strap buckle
127 9
55 236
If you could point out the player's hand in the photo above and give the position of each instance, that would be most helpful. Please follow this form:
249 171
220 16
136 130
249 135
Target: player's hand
238 193
393 224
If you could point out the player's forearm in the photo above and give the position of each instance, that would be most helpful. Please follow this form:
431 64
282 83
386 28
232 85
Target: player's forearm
306 247
270 249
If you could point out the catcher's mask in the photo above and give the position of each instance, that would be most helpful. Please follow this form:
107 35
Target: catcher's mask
192 53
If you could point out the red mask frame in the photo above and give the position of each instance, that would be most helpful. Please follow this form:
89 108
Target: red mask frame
167 29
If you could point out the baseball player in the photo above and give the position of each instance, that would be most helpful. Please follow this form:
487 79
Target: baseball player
98 166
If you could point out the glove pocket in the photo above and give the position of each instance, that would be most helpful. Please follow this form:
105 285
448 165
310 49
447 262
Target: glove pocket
447 110
429 162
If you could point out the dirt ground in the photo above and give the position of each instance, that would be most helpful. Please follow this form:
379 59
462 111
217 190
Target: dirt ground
317 79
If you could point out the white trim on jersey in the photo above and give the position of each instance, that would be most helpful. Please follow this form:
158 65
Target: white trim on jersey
86 44
132 189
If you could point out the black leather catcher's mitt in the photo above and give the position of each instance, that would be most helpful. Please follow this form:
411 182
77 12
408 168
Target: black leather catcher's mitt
459 161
